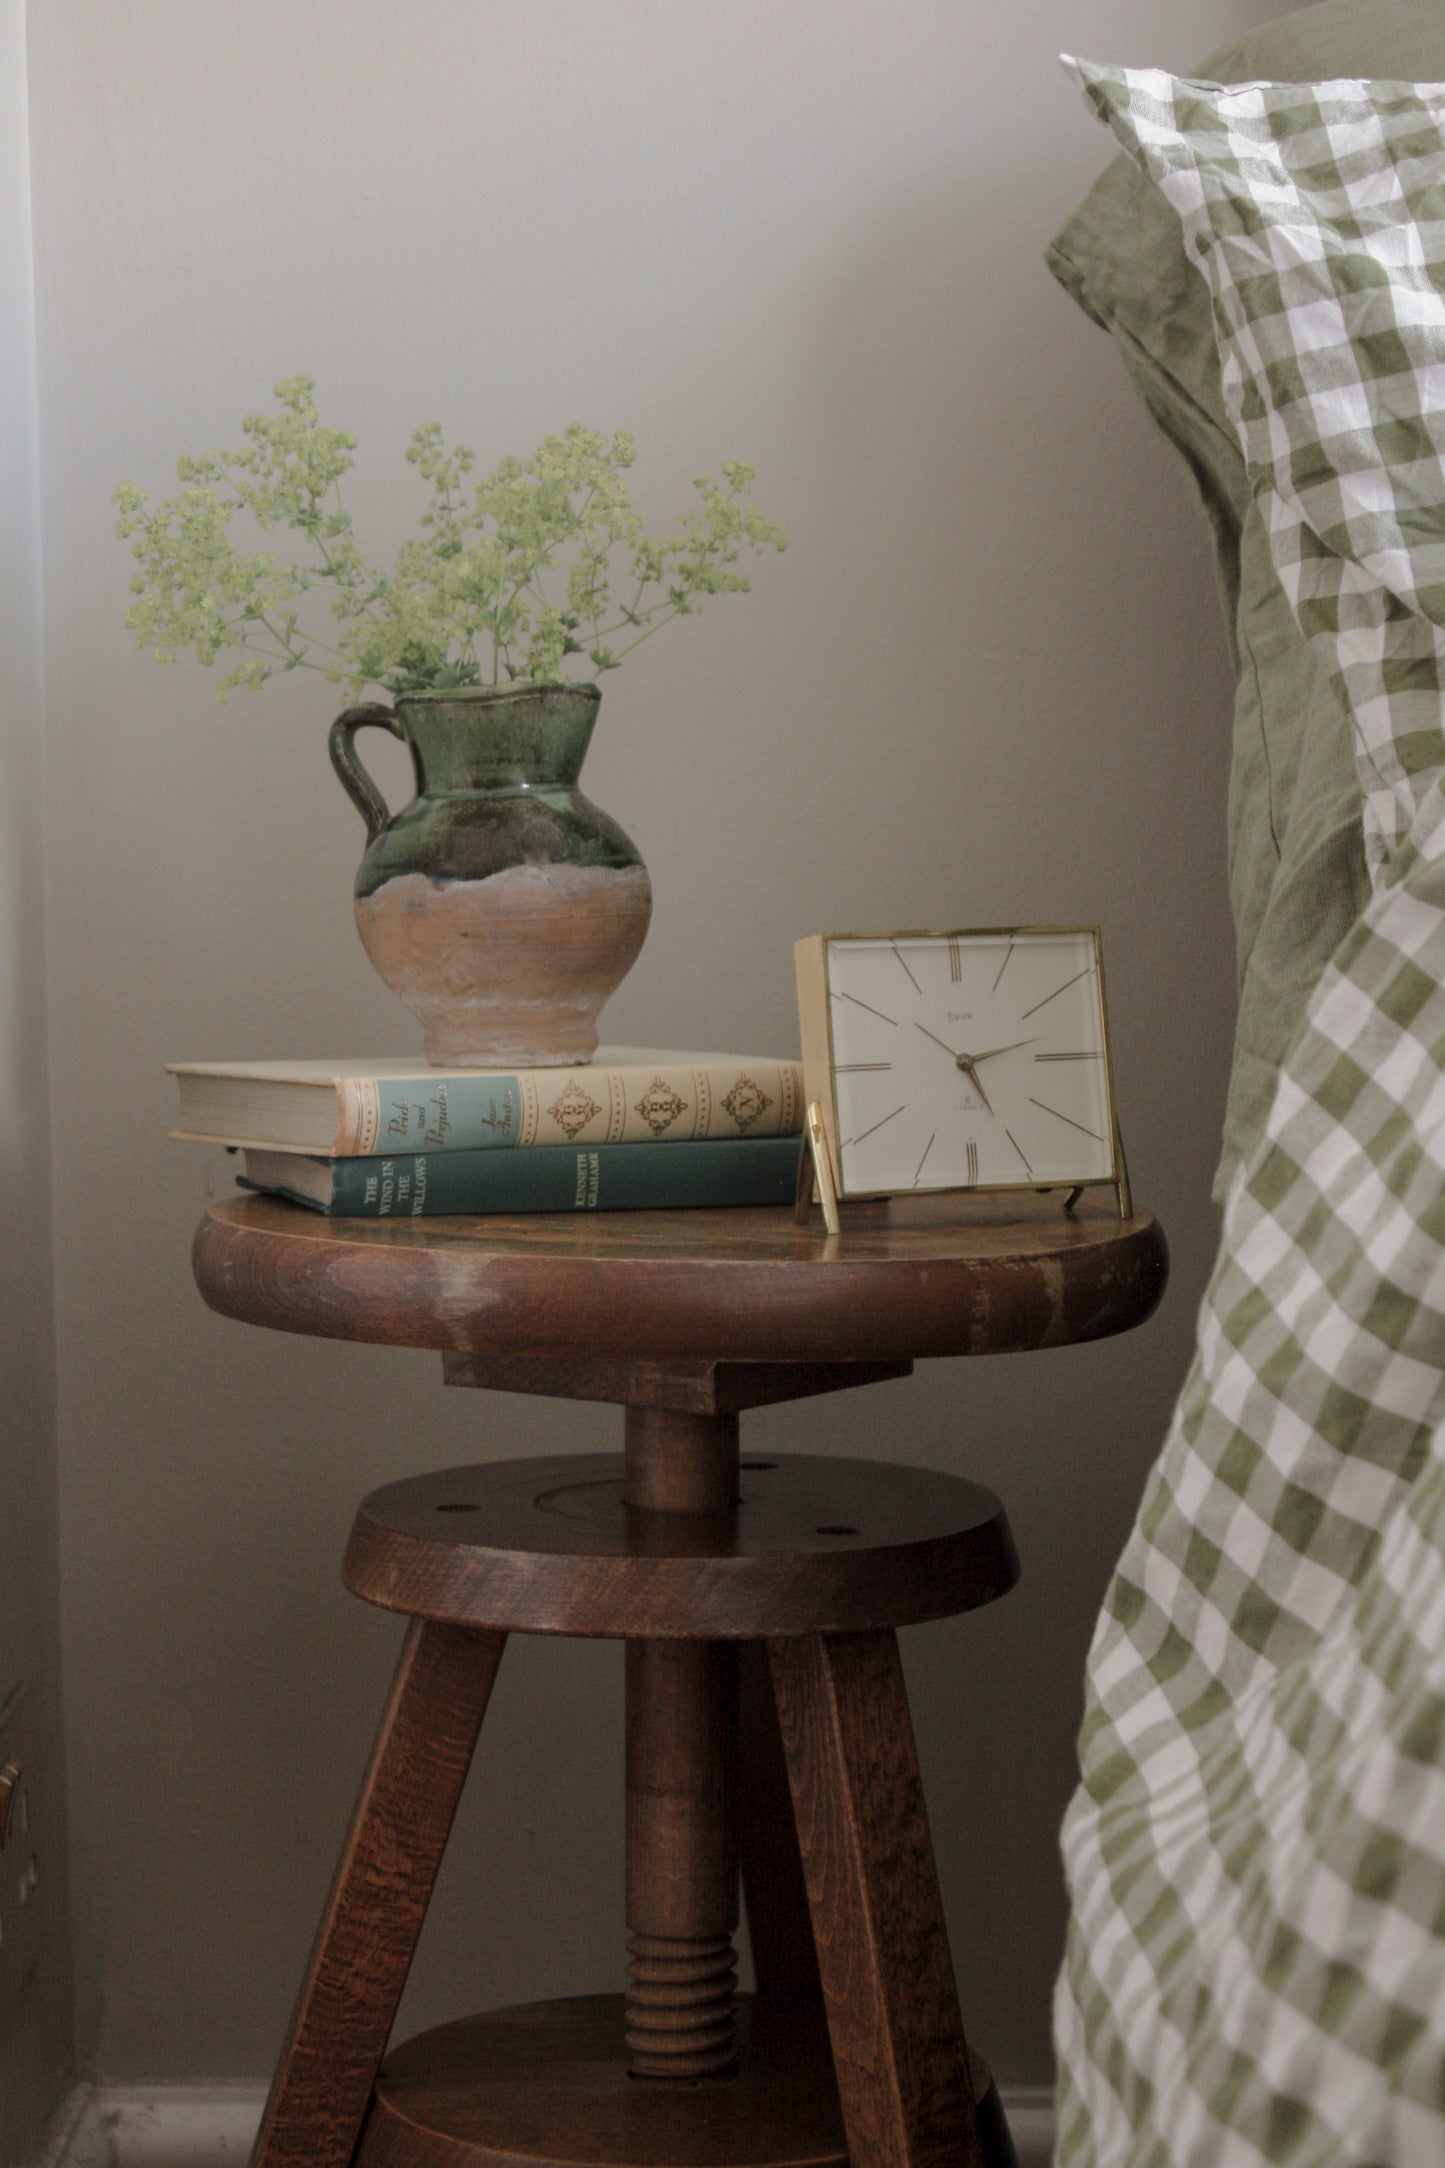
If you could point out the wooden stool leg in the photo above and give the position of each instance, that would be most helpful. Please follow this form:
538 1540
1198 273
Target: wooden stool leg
898 2046
774 1891
379 1896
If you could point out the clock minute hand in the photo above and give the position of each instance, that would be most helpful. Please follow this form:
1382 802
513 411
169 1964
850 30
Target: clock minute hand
1011 1048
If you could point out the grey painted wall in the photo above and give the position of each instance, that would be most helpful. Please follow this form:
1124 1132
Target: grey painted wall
35 2045
985 683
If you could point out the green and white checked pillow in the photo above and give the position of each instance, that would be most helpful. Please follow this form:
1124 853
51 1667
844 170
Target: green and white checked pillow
1256 1853
1316 212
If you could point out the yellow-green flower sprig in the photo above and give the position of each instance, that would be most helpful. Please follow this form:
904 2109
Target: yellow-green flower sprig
509 578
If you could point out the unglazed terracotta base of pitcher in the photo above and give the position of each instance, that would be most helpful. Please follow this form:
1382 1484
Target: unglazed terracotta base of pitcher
500 903
511 970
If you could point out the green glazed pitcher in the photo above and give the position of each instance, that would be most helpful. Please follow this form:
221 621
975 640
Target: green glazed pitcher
499 903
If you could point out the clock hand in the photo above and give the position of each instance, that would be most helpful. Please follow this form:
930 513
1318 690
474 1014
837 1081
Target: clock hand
1012 1048
964 1061
933 1035
972 1074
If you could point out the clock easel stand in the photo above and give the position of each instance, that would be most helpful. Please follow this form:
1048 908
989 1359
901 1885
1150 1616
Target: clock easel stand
818 1185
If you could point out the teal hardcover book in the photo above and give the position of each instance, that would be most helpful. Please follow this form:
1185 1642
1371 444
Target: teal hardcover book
550 1178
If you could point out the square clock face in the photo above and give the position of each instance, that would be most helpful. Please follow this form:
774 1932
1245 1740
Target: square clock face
969 1060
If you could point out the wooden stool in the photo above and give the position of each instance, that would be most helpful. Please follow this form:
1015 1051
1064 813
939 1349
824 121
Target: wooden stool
767 1723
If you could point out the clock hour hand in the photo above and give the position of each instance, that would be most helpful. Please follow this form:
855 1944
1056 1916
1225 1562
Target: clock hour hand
971 1073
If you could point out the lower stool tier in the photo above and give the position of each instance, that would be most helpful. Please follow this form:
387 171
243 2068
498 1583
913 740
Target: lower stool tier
814 1544
545 2085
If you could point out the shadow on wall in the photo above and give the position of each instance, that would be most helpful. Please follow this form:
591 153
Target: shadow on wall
1036 540
1054 744
35 2026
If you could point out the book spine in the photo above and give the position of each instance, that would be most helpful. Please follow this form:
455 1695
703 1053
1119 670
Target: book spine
426 1114
552 1178
673 1103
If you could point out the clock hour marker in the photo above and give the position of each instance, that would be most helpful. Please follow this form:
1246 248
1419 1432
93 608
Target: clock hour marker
899 954
1088 1054
1057 991
1069 1119
1013 1140
868 1006
919 1168
868 1132
972 1150
955 962
1004 965
859 1068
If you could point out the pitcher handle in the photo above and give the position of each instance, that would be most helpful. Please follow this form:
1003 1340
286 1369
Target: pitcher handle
356 782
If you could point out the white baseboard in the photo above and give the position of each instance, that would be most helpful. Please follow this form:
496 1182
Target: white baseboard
213 2126
1030 2112
155 2126
60 2132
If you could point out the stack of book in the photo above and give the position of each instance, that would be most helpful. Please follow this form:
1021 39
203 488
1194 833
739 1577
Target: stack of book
636 1128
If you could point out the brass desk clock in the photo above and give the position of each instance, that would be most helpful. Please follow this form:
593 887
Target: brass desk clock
973 1060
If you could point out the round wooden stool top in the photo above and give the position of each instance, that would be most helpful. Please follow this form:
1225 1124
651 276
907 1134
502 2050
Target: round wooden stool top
915 1277
814 1545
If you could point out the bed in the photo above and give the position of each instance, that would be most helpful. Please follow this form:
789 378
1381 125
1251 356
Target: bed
1256 1850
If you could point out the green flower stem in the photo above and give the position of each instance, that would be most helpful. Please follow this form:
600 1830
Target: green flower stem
281 637
677 610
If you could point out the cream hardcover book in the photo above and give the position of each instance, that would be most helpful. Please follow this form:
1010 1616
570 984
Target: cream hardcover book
351 1109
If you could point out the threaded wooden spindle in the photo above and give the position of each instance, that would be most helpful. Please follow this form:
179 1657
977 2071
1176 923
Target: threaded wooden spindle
681 2007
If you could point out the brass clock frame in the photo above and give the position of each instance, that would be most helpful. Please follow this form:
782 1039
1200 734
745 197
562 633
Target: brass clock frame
822 1160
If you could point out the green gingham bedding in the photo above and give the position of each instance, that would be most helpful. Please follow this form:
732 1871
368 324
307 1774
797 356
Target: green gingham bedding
1256 1854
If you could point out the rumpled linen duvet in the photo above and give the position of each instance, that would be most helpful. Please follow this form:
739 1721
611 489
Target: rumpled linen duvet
1256 1853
